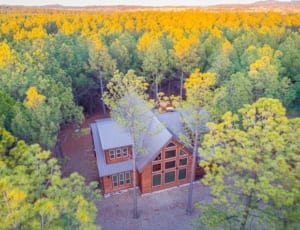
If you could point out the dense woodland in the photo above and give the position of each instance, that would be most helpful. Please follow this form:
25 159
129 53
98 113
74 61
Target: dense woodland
55 65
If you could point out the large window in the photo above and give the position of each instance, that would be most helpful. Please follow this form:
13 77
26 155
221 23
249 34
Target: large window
170 154
156 167
158 158
171 145
170 164
111 154
170 177
127 174
182 174
115 180
156 180
183 161
121 179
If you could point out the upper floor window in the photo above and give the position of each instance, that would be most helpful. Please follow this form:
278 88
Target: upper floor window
170 154
170 145
111 154
182 152
125 152
158 158
118 153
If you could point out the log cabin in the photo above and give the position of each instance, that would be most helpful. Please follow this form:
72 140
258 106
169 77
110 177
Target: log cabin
166 161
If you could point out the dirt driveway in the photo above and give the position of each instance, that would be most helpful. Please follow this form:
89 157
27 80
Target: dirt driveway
163 210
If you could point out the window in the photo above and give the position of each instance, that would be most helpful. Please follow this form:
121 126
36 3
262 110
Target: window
125 152
182 152
156 167
127 175
182 174
118 153
111 154
121 178
158 158
170 164
170 145
115 180
156 180
170 153
183 161
170 177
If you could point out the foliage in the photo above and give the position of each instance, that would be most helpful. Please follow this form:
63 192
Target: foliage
252 166
35 196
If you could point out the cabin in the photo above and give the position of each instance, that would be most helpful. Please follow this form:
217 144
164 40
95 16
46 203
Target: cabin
164 163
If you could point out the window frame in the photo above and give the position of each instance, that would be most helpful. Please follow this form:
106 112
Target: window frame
121 181
113 181
154 175
118 157
125 150
158 170
186 161
111 152
174 178
170 151
172 166
179 173
127 177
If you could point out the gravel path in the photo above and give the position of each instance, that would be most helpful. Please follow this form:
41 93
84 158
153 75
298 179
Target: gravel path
161 210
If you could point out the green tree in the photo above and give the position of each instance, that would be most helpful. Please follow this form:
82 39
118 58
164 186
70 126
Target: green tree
126 99
104 66
33 194
252 168
194 117
155 63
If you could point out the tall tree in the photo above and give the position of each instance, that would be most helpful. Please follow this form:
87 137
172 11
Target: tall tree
194 117
104 66
125 96
155 63
33 194
252 168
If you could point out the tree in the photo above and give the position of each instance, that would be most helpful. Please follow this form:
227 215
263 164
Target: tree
126 99
155 63
252 168
194 117
104 66
33 194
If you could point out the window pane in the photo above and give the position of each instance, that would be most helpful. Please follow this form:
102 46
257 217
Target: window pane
111 154
170 145
182 152
127 177
121 178
182 174
170 154
170 177
156 180
156 167
170 164
115 180
183 161
118 153
158 158
125 152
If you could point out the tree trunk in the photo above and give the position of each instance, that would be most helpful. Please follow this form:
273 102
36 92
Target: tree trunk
181 84
246 212
135 211
189 208
102 91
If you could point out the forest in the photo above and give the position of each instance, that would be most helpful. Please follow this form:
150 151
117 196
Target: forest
55 65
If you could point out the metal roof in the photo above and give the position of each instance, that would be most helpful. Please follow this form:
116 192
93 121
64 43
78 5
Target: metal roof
112 135
108 134
103 168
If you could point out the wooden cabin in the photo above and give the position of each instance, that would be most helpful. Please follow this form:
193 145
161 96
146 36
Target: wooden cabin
166 162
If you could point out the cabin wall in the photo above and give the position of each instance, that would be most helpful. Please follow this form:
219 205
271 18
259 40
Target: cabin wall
167 171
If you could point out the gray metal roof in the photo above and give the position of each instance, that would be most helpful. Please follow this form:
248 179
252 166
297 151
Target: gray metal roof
112 135
108 134
157 136
103 168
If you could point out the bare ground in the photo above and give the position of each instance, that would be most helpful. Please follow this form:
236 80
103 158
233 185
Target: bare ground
161 210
